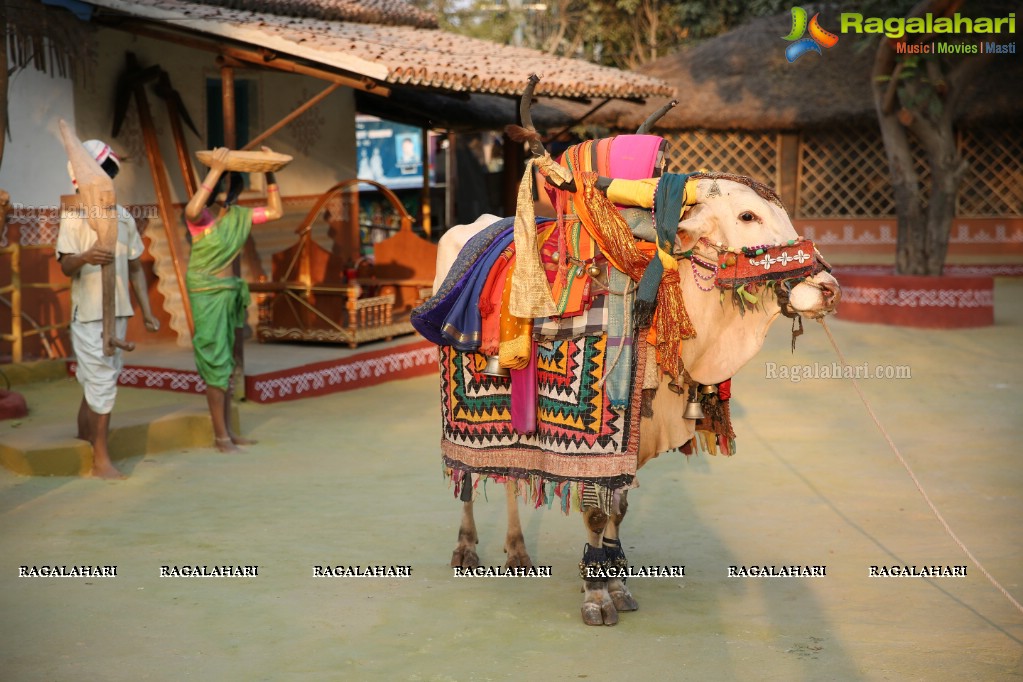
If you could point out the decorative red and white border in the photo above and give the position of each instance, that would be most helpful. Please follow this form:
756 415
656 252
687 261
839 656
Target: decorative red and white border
918 298
952 270
365 369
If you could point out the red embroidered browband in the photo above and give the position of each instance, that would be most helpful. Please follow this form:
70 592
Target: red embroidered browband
758 264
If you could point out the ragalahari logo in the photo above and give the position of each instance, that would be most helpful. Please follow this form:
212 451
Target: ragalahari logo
818 36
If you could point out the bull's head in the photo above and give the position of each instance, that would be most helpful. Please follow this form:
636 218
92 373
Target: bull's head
727 216
734 216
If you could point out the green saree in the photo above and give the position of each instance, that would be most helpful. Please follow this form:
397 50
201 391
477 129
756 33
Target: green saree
218 303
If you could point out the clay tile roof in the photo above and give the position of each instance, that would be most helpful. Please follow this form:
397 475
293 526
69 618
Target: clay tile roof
387 12
400 54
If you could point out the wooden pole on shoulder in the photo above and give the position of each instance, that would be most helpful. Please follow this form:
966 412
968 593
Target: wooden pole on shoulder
100 206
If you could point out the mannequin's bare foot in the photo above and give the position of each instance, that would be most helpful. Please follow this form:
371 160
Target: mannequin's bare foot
106 471
242 440
226 445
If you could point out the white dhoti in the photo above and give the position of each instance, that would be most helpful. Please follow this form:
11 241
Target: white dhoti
97 373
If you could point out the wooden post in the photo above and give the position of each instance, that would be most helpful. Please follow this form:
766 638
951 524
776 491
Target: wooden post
450 171
161 186
788 171
424 155
231 142
227 99
17 340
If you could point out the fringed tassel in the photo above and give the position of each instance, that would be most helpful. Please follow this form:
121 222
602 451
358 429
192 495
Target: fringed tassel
672 324
535 489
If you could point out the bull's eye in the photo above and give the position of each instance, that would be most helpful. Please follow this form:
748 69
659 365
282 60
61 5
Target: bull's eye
747 216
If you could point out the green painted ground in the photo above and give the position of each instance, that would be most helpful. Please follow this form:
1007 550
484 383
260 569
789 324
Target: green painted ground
354 479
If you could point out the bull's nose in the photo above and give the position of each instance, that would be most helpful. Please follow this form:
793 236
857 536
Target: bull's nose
831 293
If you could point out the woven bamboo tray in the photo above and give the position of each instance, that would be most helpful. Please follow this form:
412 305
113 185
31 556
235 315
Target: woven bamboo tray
248 162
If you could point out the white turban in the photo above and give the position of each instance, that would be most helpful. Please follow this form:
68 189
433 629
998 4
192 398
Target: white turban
100 151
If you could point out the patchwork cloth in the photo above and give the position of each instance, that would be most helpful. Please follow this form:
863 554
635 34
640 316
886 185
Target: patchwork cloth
592 322
580 438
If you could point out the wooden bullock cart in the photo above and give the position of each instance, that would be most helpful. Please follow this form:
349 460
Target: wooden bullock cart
337 296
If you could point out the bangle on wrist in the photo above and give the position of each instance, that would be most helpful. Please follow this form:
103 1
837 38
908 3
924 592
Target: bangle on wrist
208 189
272 188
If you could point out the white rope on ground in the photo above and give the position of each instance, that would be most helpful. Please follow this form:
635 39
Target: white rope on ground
916 482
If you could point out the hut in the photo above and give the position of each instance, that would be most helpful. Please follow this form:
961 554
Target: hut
167 75
810 128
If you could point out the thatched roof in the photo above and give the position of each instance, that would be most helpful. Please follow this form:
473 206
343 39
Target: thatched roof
47 38
742 80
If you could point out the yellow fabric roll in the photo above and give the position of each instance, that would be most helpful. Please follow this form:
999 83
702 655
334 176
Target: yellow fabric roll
641 192
633 192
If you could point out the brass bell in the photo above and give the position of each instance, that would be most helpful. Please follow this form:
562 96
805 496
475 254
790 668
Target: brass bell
708 389
694 410
594 270
494 369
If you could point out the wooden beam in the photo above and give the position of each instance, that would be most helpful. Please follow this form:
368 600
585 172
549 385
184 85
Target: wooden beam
288 66
263 59
313 101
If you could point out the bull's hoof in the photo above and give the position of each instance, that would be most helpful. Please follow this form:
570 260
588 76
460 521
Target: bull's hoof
599 614
623 600
464 557
515 548
518 559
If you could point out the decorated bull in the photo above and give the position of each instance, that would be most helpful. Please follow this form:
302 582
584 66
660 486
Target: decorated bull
574 350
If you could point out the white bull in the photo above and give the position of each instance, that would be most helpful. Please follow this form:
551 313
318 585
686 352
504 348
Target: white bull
732 211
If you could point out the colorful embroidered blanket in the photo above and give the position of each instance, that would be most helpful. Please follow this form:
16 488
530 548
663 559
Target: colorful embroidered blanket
580 439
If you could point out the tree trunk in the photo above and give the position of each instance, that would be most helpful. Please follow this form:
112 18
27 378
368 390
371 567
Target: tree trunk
911 222
907 104
946 172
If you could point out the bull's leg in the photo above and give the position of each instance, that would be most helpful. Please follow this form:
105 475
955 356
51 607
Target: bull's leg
598 609
620 595
514 542
465 555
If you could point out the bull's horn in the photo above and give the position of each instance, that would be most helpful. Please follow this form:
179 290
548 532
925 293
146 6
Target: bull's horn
526 132
557 175
655 117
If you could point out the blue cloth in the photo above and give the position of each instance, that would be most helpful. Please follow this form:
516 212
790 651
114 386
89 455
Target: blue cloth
430 318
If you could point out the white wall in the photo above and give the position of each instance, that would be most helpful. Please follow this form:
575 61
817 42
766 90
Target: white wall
322 142
34 168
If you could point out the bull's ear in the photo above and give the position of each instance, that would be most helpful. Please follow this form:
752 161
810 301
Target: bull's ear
695 223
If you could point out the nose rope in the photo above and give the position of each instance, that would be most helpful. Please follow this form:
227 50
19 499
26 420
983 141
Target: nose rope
916 482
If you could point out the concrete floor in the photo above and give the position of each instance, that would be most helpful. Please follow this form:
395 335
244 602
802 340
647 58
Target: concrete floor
354 478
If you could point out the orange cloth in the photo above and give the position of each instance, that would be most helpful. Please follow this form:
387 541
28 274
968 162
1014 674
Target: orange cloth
490 303
516 332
